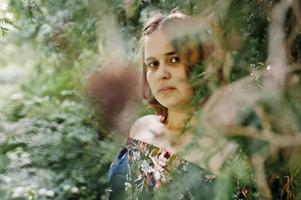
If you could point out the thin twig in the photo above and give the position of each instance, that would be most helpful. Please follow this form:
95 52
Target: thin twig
277 140
257 161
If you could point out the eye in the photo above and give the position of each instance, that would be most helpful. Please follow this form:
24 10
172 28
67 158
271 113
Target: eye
152 65
174 59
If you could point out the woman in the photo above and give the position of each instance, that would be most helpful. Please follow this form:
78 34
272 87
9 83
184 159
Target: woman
149 166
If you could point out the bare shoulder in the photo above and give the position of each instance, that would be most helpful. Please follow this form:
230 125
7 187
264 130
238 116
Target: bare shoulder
146 128
146 120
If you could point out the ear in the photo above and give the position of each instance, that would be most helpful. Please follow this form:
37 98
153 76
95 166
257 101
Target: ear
146 91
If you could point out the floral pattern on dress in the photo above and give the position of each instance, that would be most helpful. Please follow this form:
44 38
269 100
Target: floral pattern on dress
148 172
152 167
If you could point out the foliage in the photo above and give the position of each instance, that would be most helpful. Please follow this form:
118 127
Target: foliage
49 148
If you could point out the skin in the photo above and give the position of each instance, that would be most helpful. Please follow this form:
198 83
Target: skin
167 78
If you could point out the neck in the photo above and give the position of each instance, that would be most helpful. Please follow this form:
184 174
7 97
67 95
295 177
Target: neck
178 118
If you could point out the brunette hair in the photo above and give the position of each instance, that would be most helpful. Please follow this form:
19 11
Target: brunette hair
191 39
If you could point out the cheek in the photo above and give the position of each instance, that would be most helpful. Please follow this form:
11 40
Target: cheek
186 87
187 90
190 92
149 79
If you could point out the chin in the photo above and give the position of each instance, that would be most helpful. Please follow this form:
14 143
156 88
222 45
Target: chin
170 104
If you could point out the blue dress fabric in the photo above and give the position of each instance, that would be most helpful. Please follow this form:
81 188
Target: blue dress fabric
117 175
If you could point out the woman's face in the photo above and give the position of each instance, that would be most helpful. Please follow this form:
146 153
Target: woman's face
165 72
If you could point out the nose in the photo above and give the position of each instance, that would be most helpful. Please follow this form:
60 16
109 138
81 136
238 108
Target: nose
163 73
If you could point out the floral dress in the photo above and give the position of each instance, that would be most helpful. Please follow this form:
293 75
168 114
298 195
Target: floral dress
144 171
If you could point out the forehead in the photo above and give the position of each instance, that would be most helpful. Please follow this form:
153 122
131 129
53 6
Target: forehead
156 44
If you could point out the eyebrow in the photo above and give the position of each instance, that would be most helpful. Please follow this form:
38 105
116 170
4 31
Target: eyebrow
166 54
170 53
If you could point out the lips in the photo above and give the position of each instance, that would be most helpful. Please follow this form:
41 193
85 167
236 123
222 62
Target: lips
167 89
